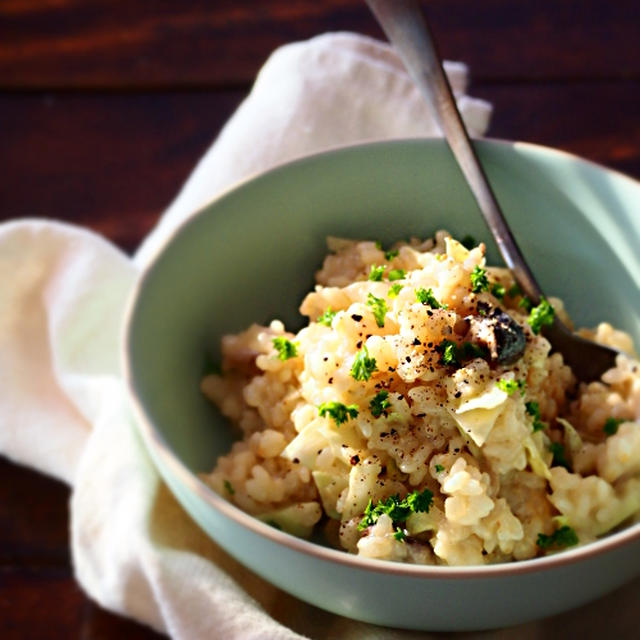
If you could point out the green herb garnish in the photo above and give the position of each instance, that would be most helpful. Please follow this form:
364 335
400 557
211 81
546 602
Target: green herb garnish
533 409
470 351
379 307
498 291
327 317
285 348
563 537
394 290
479 280
363 365
525 303
439 468
379 403
338 411
376 273
452 354
391 254
420 501
541 316
229 487
511 386
396 274
426 297
398 510
448 353
611 425
399 535
559 456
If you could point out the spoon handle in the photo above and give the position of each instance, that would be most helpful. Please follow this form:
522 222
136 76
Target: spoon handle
406 28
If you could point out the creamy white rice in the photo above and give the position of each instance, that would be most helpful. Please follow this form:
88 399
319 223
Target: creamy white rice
420 418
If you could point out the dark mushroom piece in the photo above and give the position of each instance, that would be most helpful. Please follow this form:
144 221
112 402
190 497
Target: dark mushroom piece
502 335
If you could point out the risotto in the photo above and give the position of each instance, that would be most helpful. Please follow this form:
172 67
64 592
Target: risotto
420 416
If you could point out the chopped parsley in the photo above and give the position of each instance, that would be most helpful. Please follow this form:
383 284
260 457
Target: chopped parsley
376 273
285 348
396 274
363 365
468 242
379 307
391 254
498 291
338 411
229 487
533 409
420 502
379 403
399 535
559 456
611 425
561 538
426 297
479 280
397 509
327 317
471 350
541 316
388 255
394 290
448 353
511 386
525 303
439 468
452 354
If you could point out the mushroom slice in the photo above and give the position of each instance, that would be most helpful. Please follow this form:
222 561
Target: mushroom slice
502 335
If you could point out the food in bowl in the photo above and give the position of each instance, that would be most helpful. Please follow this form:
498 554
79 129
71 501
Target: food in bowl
420 416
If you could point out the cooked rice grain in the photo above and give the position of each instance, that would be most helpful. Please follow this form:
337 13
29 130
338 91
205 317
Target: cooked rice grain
498 474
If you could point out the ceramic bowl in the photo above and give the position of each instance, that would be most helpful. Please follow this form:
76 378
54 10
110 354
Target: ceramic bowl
250 256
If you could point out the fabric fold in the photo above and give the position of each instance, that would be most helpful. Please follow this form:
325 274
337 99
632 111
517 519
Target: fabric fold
61 297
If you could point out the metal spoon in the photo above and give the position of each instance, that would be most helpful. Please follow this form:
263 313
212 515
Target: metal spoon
405 26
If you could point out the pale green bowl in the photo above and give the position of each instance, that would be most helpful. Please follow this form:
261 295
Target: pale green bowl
250 256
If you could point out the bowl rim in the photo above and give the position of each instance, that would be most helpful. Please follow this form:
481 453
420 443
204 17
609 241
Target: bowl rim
514 145
158 446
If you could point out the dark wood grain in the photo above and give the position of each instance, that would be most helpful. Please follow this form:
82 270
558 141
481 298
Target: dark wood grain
39 603
598 121
108 161
43 600
39 597
101 43
114 161
105 106
33 518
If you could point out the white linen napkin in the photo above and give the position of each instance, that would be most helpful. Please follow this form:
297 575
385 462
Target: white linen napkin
63 408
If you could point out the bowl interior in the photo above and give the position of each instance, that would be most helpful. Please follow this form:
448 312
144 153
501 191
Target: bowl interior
250 256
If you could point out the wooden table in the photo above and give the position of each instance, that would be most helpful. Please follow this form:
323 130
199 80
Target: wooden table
105 107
